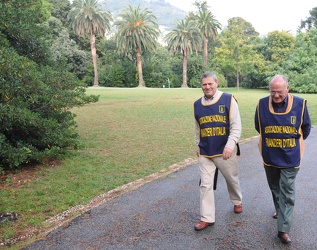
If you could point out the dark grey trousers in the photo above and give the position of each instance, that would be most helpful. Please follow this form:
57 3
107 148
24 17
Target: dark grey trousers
282 185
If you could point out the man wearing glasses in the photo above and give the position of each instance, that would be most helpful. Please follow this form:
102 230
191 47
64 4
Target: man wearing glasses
283 123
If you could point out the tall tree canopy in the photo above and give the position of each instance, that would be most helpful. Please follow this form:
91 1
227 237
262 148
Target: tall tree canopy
60 10
300 67
235 55
137 31
87 17
207 23
310 21
20 24
185 38
279 44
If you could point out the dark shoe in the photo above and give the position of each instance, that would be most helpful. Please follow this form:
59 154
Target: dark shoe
284 237
237 209
202 225
275 215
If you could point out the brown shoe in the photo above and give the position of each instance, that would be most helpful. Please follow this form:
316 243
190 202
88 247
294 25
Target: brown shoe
275 215
202 225
284 237
237 209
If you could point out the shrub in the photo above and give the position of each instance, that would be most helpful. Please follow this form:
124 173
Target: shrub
35 118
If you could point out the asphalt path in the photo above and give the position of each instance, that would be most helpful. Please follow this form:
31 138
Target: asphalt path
161 214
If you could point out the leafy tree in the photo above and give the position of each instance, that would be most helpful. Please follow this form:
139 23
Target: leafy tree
310 22
35 95
236 56
60 10
18 19
257 77
66 51
87 17
278 46
207 24
185 38
300 67
247 28
116 70
137 31
275 49
158 71
194 69
36 122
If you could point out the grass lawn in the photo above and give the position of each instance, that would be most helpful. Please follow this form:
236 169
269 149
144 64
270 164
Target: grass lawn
129 134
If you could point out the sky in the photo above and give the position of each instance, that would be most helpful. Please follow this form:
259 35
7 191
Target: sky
265 16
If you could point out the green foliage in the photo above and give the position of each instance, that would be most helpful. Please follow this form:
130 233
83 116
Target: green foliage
301 64
157 67
207 24
112 76
137 31
278 46
36 91
161 9
60 35
60 9
116 70
65 51
35 118
184 38
195 68
136 28
236 56
20 22
309 22
88 17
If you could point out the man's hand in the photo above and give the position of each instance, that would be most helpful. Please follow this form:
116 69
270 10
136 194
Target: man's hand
227 153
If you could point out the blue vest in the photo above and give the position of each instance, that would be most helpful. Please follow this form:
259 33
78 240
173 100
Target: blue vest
214 124
281 140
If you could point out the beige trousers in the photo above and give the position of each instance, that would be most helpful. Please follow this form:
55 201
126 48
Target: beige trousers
229 169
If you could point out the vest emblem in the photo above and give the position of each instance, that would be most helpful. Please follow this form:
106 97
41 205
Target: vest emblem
222 108
293 119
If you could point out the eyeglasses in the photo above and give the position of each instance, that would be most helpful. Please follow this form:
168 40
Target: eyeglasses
280 92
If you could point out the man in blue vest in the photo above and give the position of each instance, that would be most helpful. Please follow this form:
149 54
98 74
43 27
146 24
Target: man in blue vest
217 130
283 123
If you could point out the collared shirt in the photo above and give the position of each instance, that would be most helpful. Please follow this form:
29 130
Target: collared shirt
281 108
234 117
208 99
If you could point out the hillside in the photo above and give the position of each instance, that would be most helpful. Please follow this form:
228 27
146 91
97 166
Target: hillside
166 14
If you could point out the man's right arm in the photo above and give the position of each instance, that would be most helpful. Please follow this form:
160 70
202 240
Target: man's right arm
256 120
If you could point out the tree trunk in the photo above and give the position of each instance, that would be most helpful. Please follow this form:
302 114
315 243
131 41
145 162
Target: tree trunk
184 84
238 83
139 65
94 57
205 51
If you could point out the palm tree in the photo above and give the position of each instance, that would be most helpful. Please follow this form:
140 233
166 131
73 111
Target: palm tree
208 26
185 38
137 31
88 18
